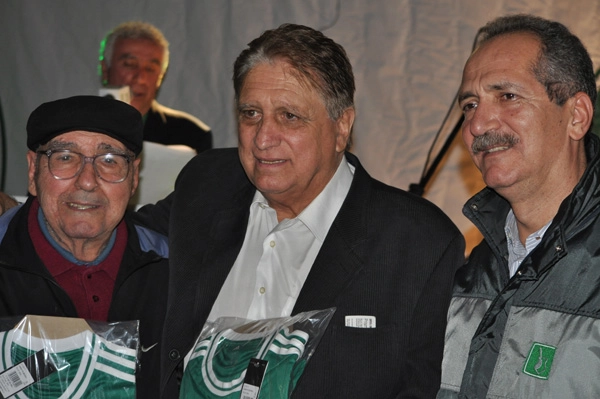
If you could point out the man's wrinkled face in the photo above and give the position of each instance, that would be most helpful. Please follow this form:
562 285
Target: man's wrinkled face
136 63
515 134
288 145
84 207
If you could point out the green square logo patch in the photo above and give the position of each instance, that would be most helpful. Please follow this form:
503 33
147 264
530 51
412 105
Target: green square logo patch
539 360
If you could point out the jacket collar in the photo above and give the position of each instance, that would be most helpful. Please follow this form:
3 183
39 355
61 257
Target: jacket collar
16 247
488 210
341 257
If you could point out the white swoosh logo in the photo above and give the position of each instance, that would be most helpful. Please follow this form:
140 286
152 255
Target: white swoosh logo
148 348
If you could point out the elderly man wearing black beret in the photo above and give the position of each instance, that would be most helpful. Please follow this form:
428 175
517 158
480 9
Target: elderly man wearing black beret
72 250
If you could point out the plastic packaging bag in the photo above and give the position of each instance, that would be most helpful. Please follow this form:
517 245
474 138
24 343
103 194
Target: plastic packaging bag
259 359
52 357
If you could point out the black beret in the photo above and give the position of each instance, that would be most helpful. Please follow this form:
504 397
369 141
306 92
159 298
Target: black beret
97 114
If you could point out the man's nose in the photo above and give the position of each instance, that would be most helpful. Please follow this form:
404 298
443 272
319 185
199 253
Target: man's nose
87 178
267 133
140 75
483 119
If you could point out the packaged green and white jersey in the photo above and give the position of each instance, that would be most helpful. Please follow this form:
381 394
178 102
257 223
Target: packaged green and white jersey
218 364
252 359
84 366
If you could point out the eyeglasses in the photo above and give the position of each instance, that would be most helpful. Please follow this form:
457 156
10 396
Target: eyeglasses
66 164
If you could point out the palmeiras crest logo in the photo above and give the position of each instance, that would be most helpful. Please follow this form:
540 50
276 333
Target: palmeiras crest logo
539 360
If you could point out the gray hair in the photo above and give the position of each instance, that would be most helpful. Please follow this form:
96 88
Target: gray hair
564 66
133 30
316 58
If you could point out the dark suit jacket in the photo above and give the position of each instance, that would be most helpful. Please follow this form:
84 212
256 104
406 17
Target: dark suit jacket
168 126
388 254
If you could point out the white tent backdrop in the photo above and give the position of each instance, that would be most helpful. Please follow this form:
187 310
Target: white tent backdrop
407 57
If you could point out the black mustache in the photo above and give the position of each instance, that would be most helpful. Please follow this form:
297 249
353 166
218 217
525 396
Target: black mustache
492 139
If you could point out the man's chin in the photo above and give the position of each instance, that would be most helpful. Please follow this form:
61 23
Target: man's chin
83 233
499 184
141 105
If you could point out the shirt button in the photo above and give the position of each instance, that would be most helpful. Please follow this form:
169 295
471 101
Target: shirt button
174 354
262 290
272 244
96 298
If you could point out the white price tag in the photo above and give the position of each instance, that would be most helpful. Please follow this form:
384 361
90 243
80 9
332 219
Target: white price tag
359 321
14 380
249 391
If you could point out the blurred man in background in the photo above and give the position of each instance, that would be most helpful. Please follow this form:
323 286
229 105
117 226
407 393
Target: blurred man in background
136 54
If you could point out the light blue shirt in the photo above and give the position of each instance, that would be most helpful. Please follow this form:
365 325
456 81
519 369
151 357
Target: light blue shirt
68 255
516 250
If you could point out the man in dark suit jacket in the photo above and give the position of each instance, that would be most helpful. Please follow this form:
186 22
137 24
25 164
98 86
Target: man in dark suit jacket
385 259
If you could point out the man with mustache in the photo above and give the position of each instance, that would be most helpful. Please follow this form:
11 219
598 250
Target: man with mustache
72 250
525 312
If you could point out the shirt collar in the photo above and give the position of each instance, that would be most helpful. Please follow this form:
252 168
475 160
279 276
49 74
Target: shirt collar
318 216
68 255
516 250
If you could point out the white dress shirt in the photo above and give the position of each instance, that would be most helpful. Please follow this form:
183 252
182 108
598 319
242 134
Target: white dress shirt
275 259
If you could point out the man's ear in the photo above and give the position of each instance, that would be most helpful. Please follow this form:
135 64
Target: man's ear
344 129
161 78
582 114
104 73
31 171
136 175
